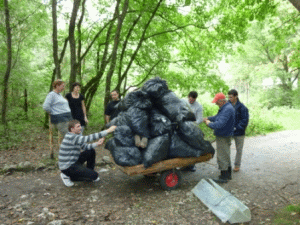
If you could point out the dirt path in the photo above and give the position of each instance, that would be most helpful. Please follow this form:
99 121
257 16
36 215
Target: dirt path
268 180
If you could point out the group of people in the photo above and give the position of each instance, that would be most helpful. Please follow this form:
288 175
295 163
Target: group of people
69 116
230 122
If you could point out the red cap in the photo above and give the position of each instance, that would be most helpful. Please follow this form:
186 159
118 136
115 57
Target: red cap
218 97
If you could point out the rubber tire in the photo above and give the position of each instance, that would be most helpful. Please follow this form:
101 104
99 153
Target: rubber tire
167 180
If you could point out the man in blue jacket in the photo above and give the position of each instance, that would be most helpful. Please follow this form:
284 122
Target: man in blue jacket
240 125
223 125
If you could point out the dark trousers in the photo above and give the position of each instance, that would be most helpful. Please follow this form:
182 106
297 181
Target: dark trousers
78 172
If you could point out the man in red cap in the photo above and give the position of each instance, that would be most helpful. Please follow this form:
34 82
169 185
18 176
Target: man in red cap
223 126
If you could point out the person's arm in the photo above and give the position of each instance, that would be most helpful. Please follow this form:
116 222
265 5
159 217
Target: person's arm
108 112
107 118
47 103
222 119
199 115
212 118
84 111
243 123
92 146
80 140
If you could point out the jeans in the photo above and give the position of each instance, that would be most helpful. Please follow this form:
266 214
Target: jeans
223 152
78 172
239 143
62 128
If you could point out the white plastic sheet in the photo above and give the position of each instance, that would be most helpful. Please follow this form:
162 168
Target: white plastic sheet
223 204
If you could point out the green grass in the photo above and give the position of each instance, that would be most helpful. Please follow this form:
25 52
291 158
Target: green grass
286 117
289 215
262 121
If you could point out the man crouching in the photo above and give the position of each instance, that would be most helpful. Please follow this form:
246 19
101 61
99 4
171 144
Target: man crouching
71 159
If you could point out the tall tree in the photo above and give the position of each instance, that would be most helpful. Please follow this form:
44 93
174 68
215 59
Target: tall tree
72 26
272 52
54 38
8 61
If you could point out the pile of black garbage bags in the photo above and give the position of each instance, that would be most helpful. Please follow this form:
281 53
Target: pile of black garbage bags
156 113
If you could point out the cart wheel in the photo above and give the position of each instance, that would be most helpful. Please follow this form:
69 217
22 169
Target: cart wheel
170 180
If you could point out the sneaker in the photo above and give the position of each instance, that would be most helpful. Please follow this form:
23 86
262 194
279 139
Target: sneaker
236 169
67 181
97 180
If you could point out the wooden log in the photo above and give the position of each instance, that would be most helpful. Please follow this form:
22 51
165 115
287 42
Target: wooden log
51 139
162 165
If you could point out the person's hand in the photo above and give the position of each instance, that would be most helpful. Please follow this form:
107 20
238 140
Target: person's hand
100 142
111 129
205 119
207 122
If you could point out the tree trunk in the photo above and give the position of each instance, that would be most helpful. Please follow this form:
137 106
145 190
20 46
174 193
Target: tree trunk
26 103
54 39
91 87
8 62
79 41
296 4
142 39
73 43
115 50
62 54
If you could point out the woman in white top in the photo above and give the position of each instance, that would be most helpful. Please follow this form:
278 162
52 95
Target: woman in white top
58 107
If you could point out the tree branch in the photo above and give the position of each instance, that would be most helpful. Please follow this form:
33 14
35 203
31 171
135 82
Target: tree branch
141 40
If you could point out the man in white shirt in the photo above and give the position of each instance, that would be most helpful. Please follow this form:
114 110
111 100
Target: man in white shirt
195 106
197 109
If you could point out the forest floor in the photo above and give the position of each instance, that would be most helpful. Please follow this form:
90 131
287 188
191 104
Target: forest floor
268 181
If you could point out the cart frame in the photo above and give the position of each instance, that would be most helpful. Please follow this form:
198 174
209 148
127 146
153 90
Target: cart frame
170 176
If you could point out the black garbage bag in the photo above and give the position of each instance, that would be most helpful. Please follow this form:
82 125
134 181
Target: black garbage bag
155 87
138 99
186 114
120 120
124 136
179 148
157 150
174 108
159 123
124 104
189 132
141 100
127 156
110 144
138 121
208 148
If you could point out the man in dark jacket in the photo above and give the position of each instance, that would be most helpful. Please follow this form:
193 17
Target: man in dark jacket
222 124
110 111
240 125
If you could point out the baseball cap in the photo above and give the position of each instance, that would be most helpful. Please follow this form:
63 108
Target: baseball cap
218 96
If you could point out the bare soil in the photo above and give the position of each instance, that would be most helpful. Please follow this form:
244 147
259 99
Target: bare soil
268 180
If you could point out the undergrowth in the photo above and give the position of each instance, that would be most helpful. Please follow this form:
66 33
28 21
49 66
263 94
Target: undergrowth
290 215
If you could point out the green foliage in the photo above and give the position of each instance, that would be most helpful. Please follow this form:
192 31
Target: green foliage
286 117
290 215
19 129
271 52
277 96
261 121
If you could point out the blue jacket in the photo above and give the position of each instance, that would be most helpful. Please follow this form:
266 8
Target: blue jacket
241 118
223 122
